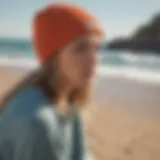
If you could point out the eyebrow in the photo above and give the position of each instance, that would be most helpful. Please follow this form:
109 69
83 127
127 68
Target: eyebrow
88 41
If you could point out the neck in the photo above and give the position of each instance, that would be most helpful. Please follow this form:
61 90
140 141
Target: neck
62 100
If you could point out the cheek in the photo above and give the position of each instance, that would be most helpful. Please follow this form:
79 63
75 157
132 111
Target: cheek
71 67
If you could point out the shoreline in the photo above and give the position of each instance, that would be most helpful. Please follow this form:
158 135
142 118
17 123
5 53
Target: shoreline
132 73
135 97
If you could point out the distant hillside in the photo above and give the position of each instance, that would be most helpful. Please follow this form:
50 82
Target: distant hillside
145 38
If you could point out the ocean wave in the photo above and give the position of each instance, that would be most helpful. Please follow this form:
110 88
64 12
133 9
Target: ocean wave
133 59
130 73
18 62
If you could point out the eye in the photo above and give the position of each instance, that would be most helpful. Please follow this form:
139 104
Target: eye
81 48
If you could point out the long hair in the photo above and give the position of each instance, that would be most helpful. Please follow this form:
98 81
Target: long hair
46 78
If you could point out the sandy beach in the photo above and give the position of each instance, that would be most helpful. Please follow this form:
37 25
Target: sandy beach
122 124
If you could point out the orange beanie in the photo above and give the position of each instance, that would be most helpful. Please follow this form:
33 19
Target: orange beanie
59 24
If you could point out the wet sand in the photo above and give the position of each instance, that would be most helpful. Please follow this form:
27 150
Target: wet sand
122 123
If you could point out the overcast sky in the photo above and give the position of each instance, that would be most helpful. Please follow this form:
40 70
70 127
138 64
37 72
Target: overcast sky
118 17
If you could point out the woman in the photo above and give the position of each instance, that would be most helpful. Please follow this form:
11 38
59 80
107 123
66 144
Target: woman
40 119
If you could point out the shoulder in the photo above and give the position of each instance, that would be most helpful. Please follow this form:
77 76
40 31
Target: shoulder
23 104
26 96
22 110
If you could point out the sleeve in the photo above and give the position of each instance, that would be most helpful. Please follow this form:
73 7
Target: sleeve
31 143
81 146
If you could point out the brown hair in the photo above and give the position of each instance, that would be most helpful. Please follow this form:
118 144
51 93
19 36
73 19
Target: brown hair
48 83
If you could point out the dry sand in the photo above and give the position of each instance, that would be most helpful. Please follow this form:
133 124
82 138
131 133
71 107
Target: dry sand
113 132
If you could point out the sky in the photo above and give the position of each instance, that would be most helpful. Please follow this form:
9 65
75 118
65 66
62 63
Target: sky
118 17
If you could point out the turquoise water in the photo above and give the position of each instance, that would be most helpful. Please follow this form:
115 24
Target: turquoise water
16 48
12 47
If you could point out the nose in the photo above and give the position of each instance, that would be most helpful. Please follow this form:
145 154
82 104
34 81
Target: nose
92 58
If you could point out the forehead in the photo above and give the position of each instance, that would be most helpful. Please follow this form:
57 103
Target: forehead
85 39
95 39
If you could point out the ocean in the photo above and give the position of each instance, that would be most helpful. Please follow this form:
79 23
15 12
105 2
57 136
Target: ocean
126 80
138 66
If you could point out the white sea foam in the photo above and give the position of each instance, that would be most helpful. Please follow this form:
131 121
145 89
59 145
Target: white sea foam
130 58
131 73
18 62
147 59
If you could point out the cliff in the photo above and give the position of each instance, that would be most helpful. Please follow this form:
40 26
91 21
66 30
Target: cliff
145 38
